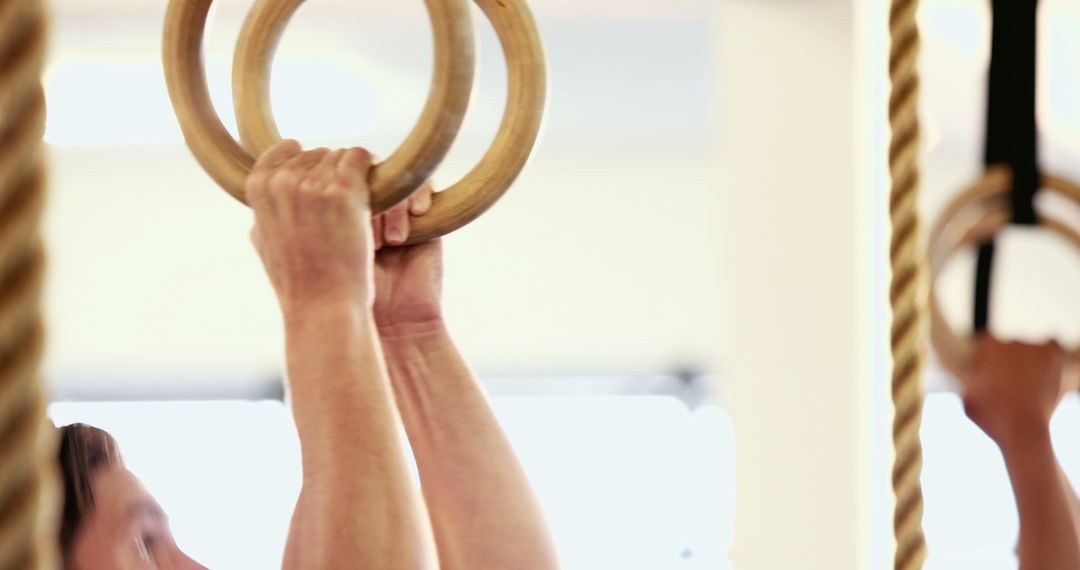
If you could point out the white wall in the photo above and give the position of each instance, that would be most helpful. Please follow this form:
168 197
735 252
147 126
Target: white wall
600 260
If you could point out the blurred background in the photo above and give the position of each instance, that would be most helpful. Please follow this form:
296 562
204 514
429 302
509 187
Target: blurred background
698 243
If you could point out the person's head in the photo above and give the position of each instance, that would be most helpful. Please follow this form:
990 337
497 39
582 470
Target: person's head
109 520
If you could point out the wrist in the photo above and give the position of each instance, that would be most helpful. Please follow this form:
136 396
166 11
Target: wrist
302 297
412 333
1021 434
350 312
410 348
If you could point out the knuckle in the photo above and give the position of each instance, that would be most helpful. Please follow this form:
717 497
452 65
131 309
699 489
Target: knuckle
255 183
284 179
334 196
310 184
290 145
363 154
344 181
359 157
314 156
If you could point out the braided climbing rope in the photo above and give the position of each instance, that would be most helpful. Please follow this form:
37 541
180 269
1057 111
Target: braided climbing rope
27 481
908 291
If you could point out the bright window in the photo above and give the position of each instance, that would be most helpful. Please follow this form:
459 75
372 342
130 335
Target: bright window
633 482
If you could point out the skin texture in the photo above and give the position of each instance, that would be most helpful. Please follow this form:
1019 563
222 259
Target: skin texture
357 506
1011 395
483 510
344 306
126 530
367 352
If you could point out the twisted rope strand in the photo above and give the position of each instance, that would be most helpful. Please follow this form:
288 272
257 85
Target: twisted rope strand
908 292
28 486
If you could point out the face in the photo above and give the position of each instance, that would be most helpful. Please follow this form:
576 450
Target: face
127 530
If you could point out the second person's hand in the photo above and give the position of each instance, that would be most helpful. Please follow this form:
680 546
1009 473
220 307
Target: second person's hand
1014 388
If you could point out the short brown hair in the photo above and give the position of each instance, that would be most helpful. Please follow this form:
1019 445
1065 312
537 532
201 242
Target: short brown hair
84 451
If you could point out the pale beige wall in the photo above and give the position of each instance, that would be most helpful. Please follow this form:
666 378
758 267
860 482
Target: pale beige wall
599 260
789 218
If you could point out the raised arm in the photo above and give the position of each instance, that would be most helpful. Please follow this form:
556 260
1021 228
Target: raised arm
481 504
358 507
1012 394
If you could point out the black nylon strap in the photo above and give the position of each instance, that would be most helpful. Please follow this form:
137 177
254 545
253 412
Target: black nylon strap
1011 126
983 275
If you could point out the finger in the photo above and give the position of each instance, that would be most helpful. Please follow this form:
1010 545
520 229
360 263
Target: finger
395 222
285 179
377 231
302 163
353 169
307 159
278 154
420 201
257 181
322 174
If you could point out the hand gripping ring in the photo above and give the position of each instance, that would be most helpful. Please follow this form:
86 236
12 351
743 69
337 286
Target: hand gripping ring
972 218
228 164
487 181
426 146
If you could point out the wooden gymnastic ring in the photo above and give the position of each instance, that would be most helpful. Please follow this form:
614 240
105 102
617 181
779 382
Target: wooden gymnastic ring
974 216
488 180
228 163
425 147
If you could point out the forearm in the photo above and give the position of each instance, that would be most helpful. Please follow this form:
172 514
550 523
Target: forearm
481 504
357 507
1049 529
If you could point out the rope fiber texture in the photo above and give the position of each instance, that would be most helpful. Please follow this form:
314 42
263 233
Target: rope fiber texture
28 483
908 292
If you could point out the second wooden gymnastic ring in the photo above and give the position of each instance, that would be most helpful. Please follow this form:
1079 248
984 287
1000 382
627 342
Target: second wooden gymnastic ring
973 217
484 184
228 164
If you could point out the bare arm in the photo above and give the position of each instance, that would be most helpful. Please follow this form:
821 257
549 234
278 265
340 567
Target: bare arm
1012 394
357 507
482 507
1049 530
483 510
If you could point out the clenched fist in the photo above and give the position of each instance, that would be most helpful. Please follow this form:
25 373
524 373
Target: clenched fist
1015 387
312 225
